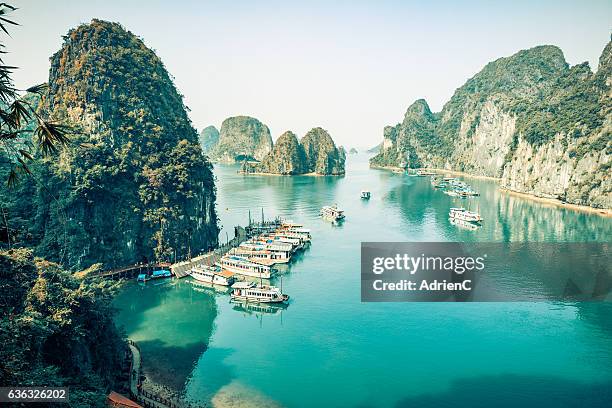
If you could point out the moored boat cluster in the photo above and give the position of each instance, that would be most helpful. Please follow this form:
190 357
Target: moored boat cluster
269 243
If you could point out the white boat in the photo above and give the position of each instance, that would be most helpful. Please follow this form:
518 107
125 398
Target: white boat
257 255
332 213
464 215
451 193
464 224
251 292
242 266
211 274
365 194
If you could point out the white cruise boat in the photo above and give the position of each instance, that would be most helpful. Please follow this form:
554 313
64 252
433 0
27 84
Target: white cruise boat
332 213
251 292
242 266
365 194
261 254
465 224
211 274
464 215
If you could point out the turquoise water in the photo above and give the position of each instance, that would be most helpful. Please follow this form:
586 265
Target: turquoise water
327 349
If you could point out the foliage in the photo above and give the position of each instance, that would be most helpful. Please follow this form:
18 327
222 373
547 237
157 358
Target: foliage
56 330
139 186
23 130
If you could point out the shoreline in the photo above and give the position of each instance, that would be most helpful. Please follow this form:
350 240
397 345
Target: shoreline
602 212
289 175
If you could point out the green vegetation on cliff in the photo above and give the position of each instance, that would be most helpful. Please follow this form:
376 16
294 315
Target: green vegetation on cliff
57 330
287 157
322 156
209 137
242 138
139 186
532 97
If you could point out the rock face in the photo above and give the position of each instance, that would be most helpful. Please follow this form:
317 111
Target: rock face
140 188
209 137
287 157
322 156
316 153
542 127
242 138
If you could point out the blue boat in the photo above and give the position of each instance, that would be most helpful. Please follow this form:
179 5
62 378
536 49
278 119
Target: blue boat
143 277
162 273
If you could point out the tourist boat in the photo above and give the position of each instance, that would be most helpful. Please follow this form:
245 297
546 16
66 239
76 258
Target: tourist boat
143 277
423 173
252 292
464 224
242 266
295 243
365 194
162 273
212 274
261 255
332 213
451 193
464 215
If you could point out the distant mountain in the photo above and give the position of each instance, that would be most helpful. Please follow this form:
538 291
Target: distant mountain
315 153
209 137
541 126
240 138
353 151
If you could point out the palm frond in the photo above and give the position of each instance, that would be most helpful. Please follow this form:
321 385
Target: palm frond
38 89
51 135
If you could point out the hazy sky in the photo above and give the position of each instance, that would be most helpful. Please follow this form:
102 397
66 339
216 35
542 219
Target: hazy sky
351 67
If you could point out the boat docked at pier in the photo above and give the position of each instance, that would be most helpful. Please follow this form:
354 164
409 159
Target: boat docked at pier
332 213
252 292
212 274
243 266
464 215
261 255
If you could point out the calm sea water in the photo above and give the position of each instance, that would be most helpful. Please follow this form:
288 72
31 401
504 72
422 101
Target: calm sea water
327 349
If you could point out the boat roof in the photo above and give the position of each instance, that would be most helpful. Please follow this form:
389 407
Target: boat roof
226 274
243 285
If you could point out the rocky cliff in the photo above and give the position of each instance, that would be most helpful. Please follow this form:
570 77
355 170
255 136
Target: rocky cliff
134 185
322 155
209 137
530 119
287 157
242 138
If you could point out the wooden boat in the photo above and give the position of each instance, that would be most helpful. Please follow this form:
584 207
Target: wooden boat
243 266
332 213
465 215
212 274
252 292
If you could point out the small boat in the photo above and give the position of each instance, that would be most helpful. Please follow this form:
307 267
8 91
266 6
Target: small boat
365 194
399 171
465 215
212 274
451 193
162 273
143 277
252 292
464 224
242 266
332 213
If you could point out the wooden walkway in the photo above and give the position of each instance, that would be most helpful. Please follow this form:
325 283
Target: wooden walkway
179 269
138 393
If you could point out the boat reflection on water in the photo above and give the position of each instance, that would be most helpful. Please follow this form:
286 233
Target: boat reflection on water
208 287
251 308
464 224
